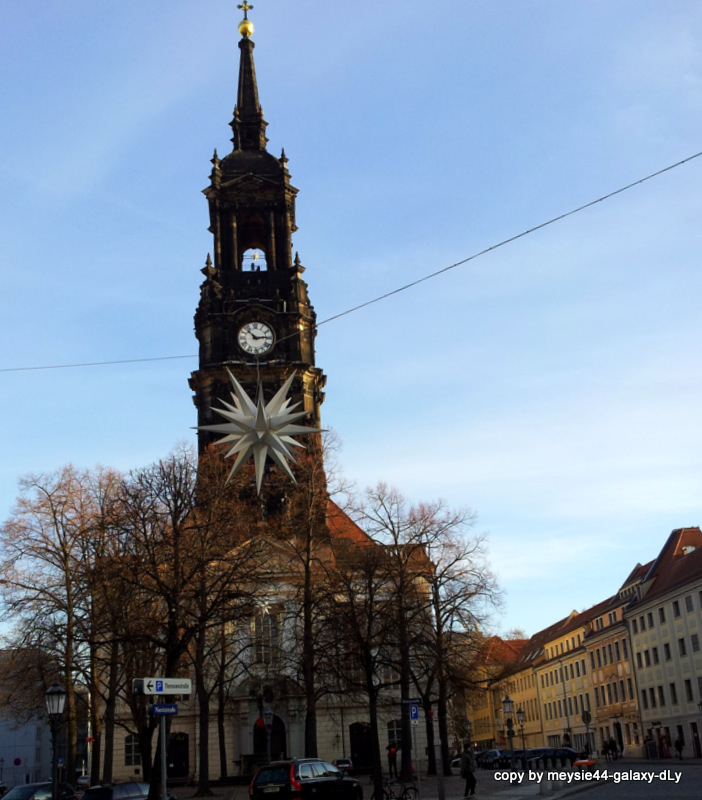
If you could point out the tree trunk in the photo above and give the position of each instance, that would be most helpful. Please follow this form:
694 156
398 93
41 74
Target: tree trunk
375 742
431 751
109 724
221 701
308 668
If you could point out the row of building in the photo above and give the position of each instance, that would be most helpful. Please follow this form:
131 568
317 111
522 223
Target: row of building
629 669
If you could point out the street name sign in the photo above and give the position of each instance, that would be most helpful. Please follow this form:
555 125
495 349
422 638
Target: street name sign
164 710
167 686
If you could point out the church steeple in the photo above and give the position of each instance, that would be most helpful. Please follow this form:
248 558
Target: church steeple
254 318
248 125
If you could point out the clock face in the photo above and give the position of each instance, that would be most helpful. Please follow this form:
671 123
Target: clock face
256 338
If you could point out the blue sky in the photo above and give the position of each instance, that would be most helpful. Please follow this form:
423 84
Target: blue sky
552 385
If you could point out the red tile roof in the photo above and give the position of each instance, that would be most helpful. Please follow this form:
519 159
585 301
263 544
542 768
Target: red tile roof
341 526
678 563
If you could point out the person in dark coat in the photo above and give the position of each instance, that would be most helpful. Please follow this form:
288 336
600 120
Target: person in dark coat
468 771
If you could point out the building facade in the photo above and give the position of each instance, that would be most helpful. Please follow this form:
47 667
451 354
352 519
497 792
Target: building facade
665 625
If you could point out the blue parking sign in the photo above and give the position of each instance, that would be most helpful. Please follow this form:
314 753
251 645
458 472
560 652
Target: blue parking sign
159 686
414 712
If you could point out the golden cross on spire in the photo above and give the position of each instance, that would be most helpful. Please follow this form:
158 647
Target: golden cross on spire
245 7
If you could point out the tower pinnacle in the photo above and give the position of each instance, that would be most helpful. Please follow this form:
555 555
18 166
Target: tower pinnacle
248 124
246 27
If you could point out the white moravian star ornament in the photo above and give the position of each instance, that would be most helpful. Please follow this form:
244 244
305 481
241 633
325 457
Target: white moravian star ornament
259 429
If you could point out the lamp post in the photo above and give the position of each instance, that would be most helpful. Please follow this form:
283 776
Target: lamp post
521 716
508 710
268 720
55 699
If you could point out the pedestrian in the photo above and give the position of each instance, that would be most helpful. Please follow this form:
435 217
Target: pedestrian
468 771
613 749
392 759
679 747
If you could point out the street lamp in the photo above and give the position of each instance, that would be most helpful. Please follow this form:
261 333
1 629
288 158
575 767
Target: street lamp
521 716
508 710
268 720
55 699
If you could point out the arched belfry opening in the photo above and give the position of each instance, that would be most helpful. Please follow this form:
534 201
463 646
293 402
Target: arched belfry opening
254 260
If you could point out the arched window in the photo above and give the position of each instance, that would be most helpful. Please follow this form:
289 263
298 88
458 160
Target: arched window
266 632
254 260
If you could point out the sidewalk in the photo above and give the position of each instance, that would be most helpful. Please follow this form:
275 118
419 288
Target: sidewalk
495 783
488 784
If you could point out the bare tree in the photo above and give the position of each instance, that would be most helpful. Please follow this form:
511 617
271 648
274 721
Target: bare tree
46 587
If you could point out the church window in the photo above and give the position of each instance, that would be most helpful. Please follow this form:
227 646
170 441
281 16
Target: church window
395 732
266 635
132 756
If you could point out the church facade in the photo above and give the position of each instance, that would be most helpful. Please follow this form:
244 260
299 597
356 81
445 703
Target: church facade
254 321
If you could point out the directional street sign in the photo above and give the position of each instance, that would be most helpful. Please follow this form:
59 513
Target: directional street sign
413 701
167 685
164 710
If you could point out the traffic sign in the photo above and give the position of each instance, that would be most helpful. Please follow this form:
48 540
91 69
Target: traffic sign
414 712
167 685
413 701
164 710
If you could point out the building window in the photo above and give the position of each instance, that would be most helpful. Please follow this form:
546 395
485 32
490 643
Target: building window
681 647
625 648
661 696
630 687
688 603
644 699
673 694
654 652
132 756
266 630
695 642
647 658
639 662
652 697
609 654
617 653
634 626
676 609
614 692
599 659
582 665
650 619
642 624
395 732
577 669
661 614
666 651
688 690
622 693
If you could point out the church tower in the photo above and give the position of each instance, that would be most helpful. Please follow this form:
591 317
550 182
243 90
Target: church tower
254 316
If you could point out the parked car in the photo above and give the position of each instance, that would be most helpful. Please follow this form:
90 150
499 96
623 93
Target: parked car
133 790
82 781
488 758
559 756
304 778
41 791
343 764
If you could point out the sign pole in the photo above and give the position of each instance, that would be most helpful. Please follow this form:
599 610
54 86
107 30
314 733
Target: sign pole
164 793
